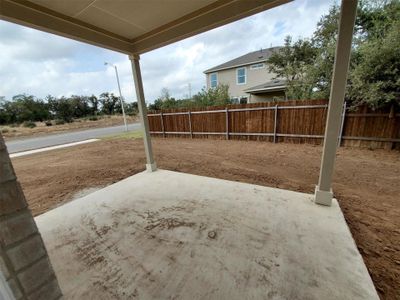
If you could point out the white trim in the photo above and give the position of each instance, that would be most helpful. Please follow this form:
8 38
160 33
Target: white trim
216 75
233 67
245 76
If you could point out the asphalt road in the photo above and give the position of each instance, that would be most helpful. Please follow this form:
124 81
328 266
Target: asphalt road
63 138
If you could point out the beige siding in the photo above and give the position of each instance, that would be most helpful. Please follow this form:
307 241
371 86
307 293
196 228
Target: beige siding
253 78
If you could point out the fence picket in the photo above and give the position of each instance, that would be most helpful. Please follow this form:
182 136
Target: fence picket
227 123
342 124
299 121
275 121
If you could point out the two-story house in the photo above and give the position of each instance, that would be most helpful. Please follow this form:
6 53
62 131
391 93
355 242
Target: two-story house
248 78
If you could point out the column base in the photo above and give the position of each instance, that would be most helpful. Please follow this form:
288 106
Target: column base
151 167
323 197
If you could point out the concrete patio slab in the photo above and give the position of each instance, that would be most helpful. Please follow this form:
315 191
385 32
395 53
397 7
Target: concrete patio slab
169 235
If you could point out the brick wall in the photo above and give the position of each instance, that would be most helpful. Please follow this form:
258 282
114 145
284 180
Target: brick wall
24 263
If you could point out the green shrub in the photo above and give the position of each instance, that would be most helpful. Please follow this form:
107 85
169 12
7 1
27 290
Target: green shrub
48 123
60 122
29 124
93 118
4 130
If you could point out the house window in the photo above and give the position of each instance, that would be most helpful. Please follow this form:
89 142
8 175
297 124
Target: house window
241 76
257 66
213 80
243 100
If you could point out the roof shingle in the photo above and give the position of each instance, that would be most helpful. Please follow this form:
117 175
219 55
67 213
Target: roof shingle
251 57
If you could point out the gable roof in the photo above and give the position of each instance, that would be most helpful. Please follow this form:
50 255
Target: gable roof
249 58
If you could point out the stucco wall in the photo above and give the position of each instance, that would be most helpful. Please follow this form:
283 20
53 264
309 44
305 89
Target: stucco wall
253 78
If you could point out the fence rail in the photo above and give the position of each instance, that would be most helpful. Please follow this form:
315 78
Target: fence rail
293 121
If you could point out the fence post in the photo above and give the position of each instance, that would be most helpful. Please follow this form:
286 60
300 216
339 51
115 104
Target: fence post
190 123
342 124
162 124
227 122
275 121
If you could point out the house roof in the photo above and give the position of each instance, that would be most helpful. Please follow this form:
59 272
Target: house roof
131 27
249 58
273 85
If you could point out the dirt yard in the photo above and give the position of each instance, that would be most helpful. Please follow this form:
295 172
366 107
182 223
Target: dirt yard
367 183
12 132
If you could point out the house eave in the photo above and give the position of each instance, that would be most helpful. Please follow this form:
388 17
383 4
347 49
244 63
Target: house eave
270 89
233 67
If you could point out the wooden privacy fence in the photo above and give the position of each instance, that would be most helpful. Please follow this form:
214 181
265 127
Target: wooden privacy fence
300 121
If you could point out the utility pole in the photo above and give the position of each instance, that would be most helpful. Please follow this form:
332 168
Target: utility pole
120 94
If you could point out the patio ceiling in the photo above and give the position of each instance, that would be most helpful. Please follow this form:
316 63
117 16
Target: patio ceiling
129 26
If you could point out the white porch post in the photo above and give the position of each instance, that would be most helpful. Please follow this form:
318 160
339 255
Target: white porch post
323 191
137 77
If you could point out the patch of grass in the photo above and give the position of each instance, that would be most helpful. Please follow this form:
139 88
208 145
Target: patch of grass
126 135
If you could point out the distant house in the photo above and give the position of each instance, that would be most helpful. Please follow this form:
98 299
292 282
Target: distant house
248 78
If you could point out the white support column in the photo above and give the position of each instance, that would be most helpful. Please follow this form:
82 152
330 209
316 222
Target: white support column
323 191
137 77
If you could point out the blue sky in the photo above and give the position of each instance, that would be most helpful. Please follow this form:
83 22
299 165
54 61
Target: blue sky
39 63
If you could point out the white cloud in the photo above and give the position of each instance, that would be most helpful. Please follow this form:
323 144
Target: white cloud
38 63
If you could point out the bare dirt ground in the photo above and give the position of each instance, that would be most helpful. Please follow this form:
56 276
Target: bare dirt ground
12 132
367 183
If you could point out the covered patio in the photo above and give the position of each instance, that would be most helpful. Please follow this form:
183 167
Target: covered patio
162 234
169 235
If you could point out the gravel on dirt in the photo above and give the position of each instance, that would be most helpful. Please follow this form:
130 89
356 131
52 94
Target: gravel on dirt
366 182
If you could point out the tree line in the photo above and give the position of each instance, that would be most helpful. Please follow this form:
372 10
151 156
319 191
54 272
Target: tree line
206 97
307 63
28 108
374 73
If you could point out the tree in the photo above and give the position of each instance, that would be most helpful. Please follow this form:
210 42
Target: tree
165 95
324 39
108 102
157 105
292 62
23 108
94 104
373 72
214 96
164 101
131 108
376 78
206 97
61 108
80 105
